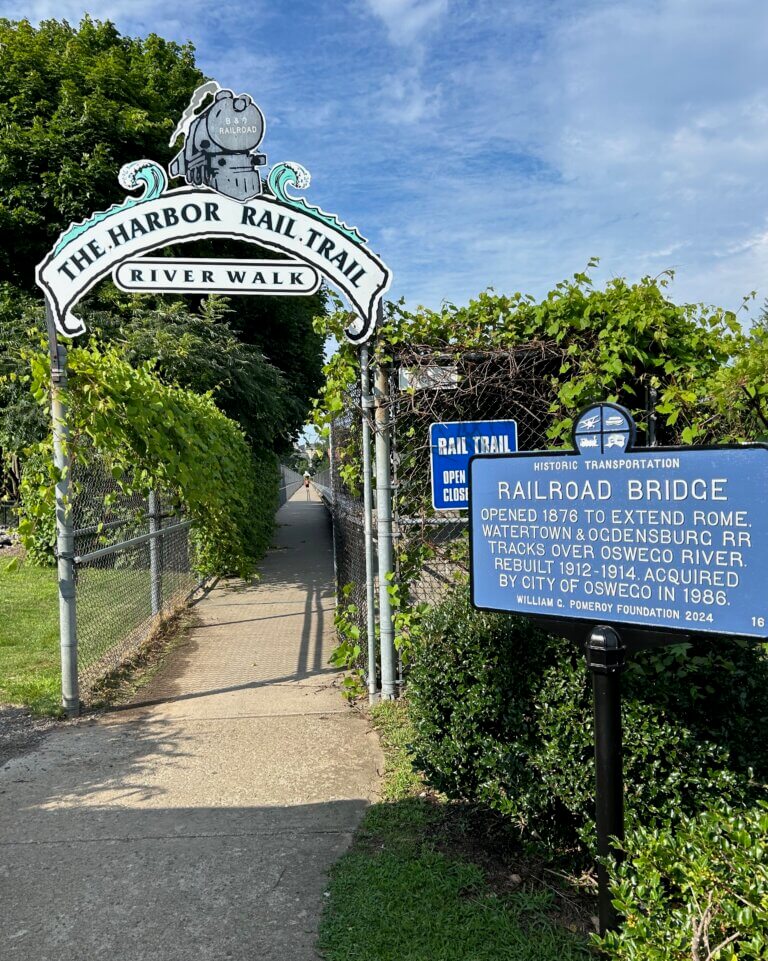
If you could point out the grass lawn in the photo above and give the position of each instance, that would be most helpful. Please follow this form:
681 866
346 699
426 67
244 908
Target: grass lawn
29 638
111 604
410 888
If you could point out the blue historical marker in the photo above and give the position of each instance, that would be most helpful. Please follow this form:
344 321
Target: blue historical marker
664 538
451 446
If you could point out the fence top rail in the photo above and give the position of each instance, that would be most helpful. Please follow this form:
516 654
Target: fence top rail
131 542
431 521
122 522
103 526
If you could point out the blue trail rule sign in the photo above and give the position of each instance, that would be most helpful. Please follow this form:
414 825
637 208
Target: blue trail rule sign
670 538
452 443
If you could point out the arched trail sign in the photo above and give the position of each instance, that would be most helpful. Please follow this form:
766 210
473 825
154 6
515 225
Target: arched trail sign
225 197
226 193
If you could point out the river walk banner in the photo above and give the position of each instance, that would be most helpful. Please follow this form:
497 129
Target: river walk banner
225 197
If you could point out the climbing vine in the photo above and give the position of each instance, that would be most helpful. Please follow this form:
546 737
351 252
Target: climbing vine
347 653
155 436
616 342
545 359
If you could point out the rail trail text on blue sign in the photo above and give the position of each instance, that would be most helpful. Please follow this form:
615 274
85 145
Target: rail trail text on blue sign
670 538
452 443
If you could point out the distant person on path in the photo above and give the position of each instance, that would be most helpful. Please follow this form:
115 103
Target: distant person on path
306 482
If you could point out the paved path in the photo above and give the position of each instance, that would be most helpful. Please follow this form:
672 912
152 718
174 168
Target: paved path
199 824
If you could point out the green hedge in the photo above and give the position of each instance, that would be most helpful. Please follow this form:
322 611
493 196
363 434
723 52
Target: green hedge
685 892
503 716
155 436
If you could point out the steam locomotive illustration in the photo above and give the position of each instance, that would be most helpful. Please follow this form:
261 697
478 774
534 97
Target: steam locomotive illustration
220 147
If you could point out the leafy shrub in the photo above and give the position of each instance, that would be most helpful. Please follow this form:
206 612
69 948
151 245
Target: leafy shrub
37 526
695 892
503 715
155 436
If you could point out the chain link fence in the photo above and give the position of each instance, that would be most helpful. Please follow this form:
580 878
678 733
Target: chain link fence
290 482
427 387
9 514
431 547
134 565
322 481
340 487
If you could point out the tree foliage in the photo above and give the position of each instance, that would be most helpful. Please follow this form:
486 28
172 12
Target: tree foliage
740 391
22 421
284 330
195 349
618 341
200 350
76 103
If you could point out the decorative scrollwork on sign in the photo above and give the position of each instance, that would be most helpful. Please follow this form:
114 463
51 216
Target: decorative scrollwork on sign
284 174
133 175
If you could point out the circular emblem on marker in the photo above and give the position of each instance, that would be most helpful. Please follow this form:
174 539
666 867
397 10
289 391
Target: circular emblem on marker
604 429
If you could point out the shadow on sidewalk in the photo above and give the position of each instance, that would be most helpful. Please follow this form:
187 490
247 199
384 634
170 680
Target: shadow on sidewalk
171 884
294 595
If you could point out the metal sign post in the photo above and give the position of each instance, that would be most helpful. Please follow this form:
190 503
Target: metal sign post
65 540
605 660
657 543
155 555
367 404
227 193
384 530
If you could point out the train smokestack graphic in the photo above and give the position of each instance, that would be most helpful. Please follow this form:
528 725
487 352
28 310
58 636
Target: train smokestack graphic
220 147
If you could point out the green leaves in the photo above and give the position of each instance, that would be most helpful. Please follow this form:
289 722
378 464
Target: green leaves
503 713
698 890
348 654
154 436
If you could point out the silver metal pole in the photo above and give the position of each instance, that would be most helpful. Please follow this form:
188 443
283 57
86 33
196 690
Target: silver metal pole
65 540
384 525
370 601
155 555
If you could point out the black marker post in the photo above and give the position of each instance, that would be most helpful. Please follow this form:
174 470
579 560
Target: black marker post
605 660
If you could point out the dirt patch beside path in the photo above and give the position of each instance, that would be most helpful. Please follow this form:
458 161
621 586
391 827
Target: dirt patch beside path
21 731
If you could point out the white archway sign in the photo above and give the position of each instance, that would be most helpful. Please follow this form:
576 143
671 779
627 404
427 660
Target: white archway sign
225 195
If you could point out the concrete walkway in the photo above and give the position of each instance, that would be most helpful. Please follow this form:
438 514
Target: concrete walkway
199 824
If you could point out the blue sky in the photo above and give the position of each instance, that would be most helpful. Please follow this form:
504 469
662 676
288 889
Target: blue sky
504 143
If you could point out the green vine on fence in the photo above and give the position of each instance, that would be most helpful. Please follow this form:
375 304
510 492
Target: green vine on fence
152 435
617 341
609 344
347 654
